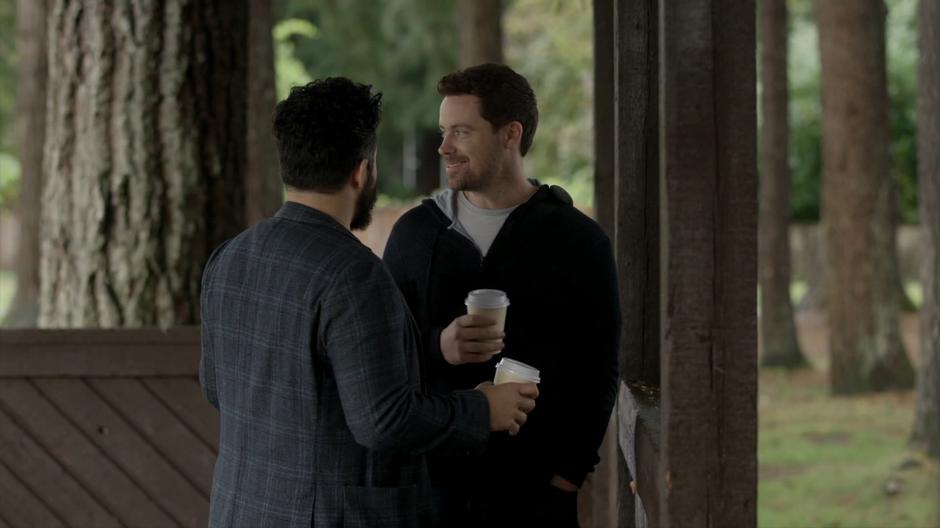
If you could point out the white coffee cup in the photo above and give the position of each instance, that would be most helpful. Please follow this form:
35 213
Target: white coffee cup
512 371
491 303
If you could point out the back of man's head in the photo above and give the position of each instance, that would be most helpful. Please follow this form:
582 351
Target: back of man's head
323 129
505 96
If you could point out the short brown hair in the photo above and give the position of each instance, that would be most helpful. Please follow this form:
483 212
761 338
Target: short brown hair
505 96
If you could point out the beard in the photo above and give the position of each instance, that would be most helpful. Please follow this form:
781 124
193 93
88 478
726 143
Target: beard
362 215
477 178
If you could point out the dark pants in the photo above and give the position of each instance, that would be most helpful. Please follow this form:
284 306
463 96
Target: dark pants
536 506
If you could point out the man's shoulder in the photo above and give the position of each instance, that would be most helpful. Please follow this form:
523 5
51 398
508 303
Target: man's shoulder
556 216
421 221
296 246
422 214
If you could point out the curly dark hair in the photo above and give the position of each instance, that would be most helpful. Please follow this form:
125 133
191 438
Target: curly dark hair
323 129
505 96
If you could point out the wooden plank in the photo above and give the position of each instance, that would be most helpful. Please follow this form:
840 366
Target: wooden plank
38 469
599 496
735 367
690 438
708 177
117 352
96 472
128 449
20 507
184 397
173 439
603 15
636 206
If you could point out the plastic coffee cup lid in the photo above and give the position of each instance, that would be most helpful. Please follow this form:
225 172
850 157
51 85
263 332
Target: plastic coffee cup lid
520 369
487 299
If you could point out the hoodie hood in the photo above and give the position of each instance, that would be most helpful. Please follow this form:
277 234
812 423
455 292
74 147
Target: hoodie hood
446 201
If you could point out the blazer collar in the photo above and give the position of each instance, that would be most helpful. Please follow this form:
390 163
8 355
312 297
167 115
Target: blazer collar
298 212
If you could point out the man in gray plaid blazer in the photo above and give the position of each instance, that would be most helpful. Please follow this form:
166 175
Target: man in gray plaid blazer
310 354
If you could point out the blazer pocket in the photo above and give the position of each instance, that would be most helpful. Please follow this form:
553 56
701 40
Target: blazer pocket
380 507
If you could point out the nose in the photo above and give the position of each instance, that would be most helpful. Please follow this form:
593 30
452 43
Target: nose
446 147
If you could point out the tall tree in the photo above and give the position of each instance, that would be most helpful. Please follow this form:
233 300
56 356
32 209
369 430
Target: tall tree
145 157
30 134
865 344
926 433
778 331
263 191
480 29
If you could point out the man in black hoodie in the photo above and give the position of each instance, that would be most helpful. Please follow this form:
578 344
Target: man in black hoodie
494 228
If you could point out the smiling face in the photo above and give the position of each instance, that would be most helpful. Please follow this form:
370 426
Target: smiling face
469 144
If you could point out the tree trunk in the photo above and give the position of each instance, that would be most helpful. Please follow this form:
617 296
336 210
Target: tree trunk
263 189
30 133
926 432
865 345
778 331
145 157
481 34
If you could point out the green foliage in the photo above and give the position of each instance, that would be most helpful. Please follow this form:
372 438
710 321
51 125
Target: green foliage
805 113
290 71
9 179
7 72
558 65
806 109
902 89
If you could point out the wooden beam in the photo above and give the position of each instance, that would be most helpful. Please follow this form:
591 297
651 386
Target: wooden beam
709 247
604 108
100 353
636 166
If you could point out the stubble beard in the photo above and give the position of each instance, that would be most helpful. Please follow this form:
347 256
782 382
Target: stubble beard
365 202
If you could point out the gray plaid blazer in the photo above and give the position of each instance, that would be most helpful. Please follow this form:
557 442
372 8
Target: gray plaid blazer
309 353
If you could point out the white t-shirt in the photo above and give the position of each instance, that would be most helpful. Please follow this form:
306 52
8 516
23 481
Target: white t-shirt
481 224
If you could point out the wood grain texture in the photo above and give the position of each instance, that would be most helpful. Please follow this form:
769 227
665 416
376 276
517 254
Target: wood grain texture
709 247
39 471
79 455
149 471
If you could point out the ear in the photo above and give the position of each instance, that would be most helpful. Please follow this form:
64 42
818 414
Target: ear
512 137
360 175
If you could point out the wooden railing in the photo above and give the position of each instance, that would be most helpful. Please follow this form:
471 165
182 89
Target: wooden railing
639 438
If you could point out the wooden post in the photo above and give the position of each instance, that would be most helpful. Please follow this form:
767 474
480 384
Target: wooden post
636 235
709 263
600 496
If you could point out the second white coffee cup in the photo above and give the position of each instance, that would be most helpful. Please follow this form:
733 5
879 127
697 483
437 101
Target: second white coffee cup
512 371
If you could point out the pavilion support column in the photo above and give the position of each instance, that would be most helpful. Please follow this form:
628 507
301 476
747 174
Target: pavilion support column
636 238
708 221
600 496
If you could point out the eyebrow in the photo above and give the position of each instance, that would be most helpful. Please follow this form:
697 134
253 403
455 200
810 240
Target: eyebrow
457 125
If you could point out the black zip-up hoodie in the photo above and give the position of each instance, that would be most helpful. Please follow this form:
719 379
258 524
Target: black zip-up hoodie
558 270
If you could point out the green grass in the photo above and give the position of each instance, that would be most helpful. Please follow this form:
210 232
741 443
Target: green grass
7 288
825 461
